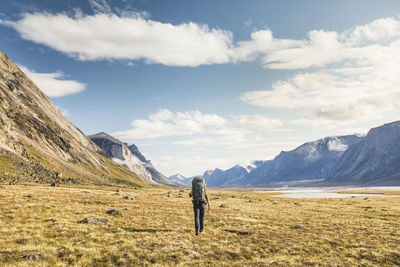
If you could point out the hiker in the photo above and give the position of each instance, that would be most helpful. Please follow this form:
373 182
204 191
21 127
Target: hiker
200 199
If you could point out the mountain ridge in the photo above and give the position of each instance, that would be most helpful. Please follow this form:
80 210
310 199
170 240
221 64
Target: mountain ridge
374 161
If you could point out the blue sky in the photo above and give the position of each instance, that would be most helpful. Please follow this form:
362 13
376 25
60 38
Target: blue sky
205 84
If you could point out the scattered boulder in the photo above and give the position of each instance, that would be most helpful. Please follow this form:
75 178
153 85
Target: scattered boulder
32 257
251 201
129 197
94 220
53 185
223 206
169 194
181 190
114 212
118 190
28 196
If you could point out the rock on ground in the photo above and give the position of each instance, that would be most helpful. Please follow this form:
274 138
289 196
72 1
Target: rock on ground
94 220
114 212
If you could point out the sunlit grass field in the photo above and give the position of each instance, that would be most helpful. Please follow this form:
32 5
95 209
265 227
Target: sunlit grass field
39 226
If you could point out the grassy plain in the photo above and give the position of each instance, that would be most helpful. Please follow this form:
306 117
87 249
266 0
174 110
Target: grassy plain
39 226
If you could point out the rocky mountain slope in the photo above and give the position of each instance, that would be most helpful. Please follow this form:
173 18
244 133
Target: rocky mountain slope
130 157
307 164
375 160
37 144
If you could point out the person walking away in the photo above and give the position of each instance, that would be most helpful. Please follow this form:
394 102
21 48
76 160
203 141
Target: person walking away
200 199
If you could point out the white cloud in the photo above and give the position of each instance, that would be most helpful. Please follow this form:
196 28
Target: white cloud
355 76
133 37
189 123
53 84
166 123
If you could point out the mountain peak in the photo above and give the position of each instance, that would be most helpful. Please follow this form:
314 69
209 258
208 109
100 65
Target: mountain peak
130 157
104 135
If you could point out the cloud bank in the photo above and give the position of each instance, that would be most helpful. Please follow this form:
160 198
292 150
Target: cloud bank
200 129
347 77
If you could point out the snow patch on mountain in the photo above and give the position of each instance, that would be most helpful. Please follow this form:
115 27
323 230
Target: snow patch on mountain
335 144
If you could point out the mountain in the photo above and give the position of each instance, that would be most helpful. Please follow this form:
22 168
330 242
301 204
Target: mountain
218 177
179 178
230 177
130 157
308 163
375 160
37 144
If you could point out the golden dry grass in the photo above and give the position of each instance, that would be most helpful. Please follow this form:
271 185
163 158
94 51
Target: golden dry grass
256 229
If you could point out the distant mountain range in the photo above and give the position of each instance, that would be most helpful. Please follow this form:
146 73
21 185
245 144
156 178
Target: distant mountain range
129 156
218 177
373 159
39 145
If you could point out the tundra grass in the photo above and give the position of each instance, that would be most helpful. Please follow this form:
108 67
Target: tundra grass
39 226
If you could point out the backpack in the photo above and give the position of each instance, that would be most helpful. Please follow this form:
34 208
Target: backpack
199 189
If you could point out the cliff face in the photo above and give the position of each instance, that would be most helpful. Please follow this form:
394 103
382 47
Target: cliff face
130 157
37 144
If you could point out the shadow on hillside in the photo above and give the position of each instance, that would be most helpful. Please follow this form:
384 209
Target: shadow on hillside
135 230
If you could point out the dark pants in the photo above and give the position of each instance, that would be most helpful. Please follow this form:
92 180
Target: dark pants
199 209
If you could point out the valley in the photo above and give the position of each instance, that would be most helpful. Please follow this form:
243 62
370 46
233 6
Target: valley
41 227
